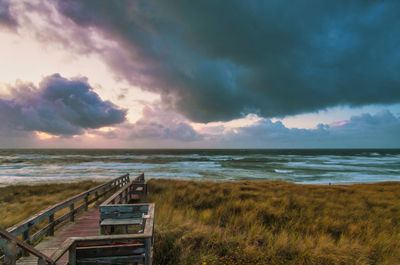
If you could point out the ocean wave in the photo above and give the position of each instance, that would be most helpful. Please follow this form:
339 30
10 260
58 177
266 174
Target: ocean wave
318 167
283 171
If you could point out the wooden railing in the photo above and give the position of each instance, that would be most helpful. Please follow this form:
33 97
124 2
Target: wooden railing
131 249
10 250
122 248
24 228
127 192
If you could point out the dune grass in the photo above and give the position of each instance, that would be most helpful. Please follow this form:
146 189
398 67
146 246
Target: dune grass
22 201
251 222
275 223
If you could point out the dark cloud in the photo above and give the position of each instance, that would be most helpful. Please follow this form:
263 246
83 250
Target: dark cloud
218 60
58 106
6 19
379 130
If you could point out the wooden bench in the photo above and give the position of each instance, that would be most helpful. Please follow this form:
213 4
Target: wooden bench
107 225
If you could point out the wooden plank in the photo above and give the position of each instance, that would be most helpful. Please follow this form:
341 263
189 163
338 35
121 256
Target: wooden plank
127 208
130 221
25 246
65 246
147 260
72 254
112 260
35 237
120 215
107 241
116 195
109 238
109 251
149 223
82 244
125 186
24 225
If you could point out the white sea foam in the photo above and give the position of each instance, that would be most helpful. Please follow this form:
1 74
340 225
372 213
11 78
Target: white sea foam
283 171
322 169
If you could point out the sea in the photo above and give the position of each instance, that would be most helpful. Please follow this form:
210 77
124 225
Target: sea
306 166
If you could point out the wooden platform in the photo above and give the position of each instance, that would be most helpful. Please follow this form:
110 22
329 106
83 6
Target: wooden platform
73 231
86 224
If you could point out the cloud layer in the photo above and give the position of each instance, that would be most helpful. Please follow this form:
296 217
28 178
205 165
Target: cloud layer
374 131
6 19
156 123
216 61
59 106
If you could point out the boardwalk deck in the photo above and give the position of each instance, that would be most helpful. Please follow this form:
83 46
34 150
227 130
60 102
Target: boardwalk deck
86 224
80 241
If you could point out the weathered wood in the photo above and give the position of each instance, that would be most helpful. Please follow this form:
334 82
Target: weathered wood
24 225
24 246
72 255
86 202
39 234
121 215
126 248
130 221
115 196
109 250
11 252
149 223
72 216
27 239
147 260
51 223
127 208
64 248
113 260
139 181
108 239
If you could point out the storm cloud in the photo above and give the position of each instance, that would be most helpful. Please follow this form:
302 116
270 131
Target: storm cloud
58 106
218 60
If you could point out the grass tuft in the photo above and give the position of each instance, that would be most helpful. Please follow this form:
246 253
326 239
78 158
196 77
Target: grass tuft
275 223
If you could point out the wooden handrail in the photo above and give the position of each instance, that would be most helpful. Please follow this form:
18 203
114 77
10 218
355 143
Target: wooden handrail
24 226
74 245
138 180
25 246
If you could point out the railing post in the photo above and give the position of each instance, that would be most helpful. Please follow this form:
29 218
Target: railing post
72 211
96 196
25 238
147 246
72 255
51 222
86 202
10 253
41 261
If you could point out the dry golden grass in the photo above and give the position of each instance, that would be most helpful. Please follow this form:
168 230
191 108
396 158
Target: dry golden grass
275 223
252 222
20 202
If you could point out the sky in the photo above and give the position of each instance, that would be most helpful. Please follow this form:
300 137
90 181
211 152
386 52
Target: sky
199 74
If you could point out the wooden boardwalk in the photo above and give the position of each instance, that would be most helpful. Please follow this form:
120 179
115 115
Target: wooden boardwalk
87 234
86 224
